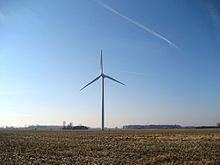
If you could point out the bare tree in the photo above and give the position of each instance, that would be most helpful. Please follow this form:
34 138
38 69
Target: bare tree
64 124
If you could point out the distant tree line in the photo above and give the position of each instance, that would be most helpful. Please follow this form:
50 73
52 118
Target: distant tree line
167 126
151 126
71 127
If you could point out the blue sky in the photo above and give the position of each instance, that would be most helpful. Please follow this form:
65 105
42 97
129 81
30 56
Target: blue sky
166 52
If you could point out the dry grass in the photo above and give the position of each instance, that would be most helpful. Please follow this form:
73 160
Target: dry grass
110 147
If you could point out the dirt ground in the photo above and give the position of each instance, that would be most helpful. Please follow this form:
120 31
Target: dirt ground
180 146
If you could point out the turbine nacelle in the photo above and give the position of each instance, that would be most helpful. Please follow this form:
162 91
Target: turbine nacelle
102 75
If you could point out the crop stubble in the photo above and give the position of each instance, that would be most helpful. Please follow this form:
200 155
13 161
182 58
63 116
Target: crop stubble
181 146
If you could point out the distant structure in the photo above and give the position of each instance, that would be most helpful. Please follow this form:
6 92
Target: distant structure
218 124
151 126
43 127
71 127
102 76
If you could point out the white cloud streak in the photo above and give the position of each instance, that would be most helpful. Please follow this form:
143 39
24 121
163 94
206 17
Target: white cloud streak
139 25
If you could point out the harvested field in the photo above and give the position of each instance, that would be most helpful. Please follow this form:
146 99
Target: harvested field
192 146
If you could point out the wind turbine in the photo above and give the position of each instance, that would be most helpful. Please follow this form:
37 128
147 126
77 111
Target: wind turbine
102 76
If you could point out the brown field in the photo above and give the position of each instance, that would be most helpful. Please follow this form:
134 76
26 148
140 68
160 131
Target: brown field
111 147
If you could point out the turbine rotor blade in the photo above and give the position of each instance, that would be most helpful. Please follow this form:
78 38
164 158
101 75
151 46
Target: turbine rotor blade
90 82
101 63
114 80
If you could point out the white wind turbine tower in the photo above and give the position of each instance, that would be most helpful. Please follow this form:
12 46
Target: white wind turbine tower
102 76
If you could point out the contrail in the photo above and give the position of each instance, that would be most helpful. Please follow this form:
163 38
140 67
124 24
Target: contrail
136 23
